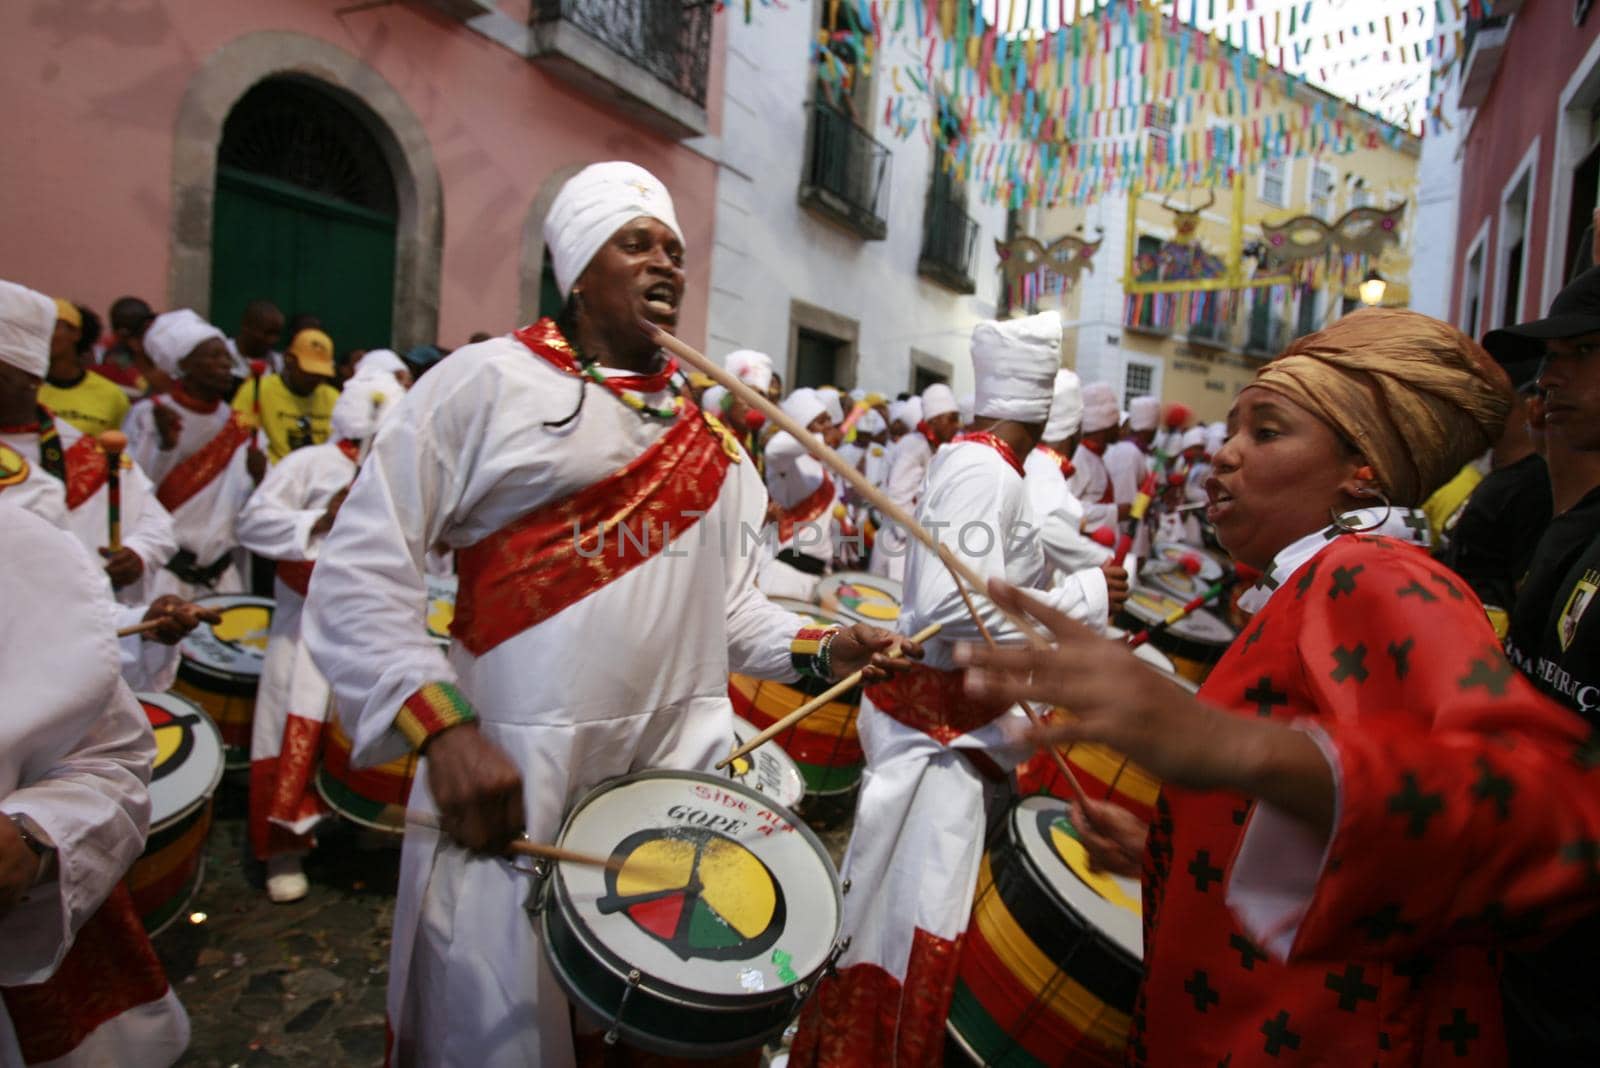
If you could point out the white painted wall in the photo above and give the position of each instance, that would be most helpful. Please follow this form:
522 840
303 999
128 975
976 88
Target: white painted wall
1438 199
770 250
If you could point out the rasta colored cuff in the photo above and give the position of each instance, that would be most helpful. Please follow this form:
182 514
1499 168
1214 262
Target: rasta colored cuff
809 652
431 709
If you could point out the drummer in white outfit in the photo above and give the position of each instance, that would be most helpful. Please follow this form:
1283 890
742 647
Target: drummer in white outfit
1090 481
909 456
1058 511
585 668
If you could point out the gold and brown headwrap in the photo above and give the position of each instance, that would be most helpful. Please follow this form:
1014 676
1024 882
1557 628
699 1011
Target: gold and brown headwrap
1417 397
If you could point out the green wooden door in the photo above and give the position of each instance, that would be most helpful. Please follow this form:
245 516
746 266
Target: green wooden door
305 252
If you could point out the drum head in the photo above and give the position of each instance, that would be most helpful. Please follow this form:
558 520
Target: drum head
768 770
236 646
441 609
188 763
1151 606
1172 552
1108 903
867 598
820 616
1163 663
721 895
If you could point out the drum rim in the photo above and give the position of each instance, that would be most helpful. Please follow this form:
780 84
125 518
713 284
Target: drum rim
1206 556
216 776
813 610
1044 881
334 807
562 902
783 756
188 898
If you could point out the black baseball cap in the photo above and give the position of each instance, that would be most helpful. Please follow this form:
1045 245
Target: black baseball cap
1574 312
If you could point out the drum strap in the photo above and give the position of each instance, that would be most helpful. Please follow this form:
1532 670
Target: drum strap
195 472
565 550
185 566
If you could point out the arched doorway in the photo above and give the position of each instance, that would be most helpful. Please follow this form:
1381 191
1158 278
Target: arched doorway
305 213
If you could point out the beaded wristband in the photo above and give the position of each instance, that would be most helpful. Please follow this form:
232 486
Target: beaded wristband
433 708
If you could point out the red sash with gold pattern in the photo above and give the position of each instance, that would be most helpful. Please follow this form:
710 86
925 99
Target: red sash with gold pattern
87 470
804 511
195 472
564 550
933 702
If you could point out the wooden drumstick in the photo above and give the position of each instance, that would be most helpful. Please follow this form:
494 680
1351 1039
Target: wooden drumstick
140 628
522 847
113 442
848 682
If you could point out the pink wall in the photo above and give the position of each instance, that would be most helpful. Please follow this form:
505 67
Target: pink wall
91 96
1543 51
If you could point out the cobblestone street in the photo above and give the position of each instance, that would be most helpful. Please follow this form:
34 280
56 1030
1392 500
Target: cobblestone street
301 983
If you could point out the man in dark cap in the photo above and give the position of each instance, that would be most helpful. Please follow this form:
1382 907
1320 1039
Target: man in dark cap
1552 1006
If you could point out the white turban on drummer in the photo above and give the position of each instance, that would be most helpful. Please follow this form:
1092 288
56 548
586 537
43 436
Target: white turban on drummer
1144 413
965 405
594 204
939 399
803 405
1100 411
364 405
1015 361
27 322
174 335
381 362
1193 437
832 400
752 368
871 422
1066 407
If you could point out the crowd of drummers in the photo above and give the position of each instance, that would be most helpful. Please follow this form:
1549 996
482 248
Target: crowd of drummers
1160 742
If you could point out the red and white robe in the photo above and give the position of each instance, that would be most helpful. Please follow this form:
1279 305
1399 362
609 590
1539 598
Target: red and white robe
914 853
202 481
1060 514
1090 482
580 665
908 461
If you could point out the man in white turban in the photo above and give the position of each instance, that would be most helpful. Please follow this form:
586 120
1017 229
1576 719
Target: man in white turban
1048 467
919 828
803 495
1128 460
908 464
520 453
201 456
1090 482
286 521
941 412
381 362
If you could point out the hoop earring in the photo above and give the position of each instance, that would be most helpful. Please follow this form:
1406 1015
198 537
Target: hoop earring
1346 525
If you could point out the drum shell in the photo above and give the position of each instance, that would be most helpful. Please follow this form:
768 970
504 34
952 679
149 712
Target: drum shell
168 873
1192 658
372 797
1037 984
824 744
230 701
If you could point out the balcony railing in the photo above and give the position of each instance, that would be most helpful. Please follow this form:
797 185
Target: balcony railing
1209 332
847 173
949 238
1267 337
653 55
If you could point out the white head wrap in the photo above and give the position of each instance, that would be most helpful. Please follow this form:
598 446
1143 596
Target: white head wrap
913 412
1066 407
871 422
752 368
1144 413
1195 435
711 400
792 473
381 362
1216 437
175 334
858 395
27 322
965 403
1100 411
594 204
939 399
803 405
364 405
1015 361
831 400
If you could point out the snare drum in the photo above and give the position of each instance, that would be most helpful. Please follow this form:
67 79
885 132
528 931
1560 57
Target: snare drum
864 598
373 797
1164 570
220 667
187 769
1194 643
1052 958
441 611
825 744
723 913
768 769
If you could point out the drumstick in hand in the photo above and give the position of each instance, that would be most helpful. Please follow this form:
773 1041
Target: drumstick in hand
113 442
848 682
522 847
1177 615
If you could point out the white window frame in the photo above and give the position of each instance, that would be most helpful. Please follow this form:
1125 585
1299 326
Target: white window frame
1527 171
1479 247
1285 171
1330 206
1572 141
1154 364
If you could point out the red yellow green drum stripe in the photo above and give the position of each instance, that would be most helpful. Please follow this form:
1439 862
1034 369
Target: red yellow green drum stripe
825 746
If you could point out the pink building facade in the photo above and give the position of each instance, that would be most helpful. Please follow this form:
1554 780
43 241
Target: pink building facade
1530 159
128 154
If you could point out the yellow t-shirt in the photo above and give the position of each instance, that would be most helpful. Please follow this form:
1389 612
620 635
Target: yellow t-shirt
1444 506
96 403
289 420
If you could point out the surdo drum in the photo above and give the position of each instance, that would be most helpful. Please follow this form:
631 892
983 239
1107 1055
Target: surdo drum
767 769
186 771
863 597
1051 960
715 926
220 667
1195 642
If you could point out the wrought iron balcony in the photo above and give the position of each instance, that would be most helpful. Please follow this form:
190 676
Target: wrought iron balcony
1209 333
652 57
1268 336
846 177
949 237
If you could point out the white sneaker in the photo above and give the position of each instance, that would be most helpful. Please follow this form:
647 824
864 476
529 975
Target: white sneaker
286 881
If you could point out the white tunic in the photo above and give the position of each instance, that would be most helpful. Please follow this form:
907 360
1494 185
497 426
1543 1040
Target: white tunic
1060 518
75 758
204 524
909 457
466 454
1127 465
276 524
1088 483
